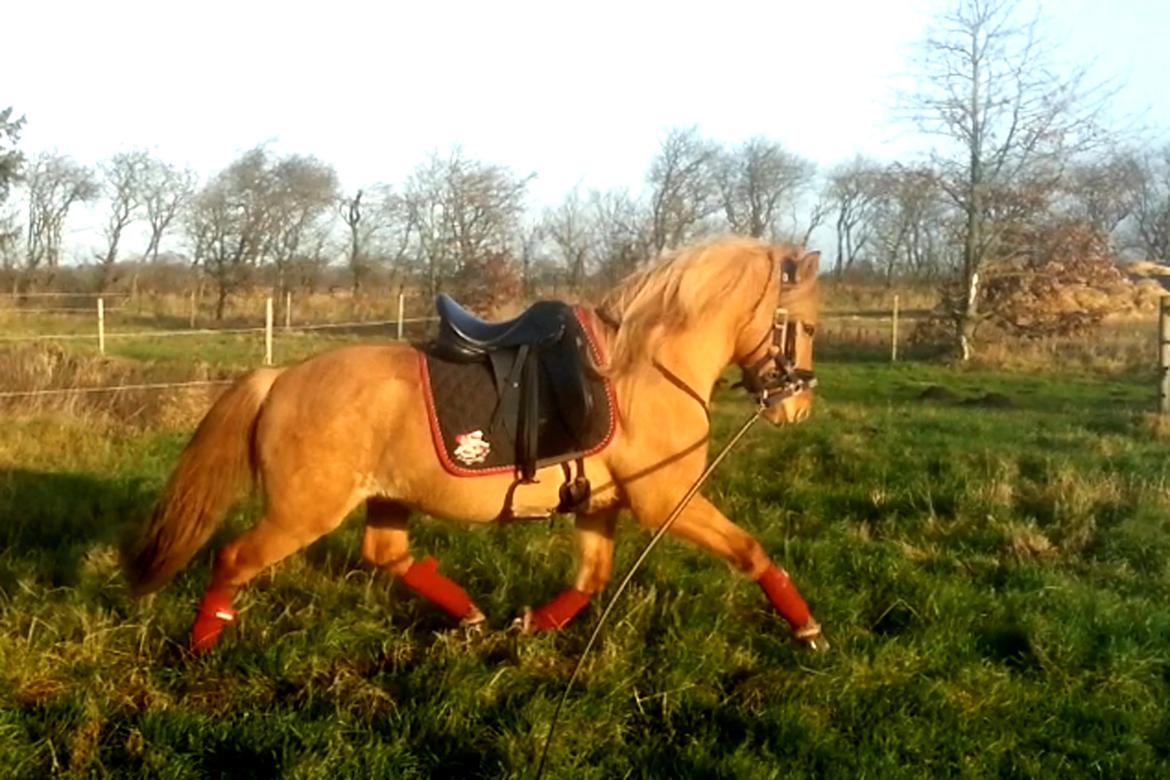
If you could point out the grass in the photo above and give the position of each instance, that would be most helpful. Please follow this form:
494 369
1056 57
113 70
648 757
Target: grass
989 553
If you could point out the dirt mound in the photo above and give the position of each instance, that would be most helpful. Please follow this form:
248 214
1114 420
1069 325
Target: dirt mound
989 401
937 393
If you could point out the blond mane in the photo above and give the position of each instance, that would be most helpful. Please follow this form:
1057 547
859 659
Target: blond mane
677 289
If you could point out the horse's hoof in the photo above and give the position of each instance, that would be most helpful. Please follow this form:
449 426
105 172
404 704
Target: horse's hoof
473 624
818 644
811 637
523 623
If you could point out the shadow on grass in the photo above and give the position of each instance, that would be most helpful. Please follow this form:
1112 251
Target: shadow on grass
51 520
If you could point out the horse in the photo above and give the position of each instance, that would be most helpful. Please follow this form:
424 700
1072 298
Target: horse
349 425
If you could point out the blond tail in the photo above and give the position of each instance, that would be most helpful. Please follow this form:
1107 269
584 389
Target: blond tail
211 473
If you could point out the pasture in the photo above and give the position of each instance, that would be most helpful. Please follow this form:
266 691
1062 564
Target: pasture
987 550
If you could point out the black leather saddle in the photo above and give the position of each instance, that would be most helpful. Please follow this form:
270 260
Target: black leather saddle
463 335
548 399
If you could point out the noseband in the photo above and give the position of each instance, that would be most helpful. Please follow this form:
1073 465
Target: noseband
775 377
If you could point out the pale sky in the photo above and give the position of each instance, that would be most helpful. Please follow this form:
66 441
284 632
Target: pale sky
575 92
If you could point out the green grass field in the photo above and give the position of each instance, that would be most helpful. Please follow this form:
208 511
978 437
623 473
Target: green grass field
989 554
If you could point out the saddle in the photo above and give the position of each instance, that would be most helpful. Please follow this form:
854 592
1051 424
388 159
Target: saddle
517 394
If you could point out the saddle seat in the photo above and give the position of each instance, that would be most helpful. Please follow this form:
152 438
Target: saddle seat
462 335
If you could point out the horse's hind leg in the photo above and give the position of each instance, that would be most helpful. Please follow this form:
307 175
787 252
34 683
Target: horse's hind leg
387 545
595 550
705 526
280 533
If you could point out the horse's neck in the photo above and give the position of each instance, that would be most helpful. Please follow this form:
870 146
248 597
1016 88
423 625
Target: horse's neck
697 356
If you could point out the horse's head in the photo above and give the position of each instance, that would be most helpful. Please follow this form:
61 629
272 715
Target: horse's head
776 349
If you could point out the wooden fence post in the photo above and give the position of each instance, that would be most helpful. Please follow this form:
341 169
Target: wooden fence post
1164 354
268 331
401 307
101 326
894 334
288 310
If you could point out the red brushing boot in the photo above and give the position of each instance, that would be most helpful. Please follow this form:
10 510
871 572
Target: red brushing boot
557 613
215 611
789 603
424 579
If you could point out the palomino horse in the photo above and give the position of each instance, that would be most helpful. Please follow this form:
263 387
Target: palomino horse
350 425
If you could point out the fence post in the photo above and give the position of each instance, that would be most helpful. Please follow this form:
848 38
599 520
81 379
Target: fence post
1164 353
401 306
288 310
268 331
101 326
894 334
192 310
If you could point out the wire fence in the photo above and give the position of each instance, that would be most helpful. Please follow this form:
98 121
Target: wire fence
100 334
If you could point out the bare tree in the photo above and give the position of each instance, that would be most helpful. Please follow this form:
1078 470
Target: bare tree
1012 125
1102 193
301 195
910 223
462 210
166 191
621 233
569 227
683 187
54 185
350 210
756 181
1151 208
11 162
852 192
122 179
230 221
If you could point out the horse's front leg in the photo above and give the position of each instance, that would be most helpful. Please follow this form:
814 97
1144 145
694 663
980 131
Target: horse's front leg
704 525
595 563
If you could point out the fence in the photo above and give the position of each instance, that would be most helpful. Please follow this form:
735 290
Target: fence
100 335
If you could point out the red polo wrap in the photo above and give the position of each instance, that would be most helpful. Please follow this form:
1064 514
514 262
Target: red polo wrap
424 579
560 610
784 597
215 611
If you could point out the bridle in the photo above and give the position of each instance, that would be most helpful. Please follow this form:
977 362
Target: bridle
774 377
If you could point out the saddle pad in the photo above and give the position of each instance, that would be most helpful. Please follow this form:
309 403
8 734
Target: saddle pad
461 401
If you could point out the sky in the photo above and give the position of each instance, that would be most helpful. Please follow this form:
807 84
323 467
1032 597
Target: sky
577 93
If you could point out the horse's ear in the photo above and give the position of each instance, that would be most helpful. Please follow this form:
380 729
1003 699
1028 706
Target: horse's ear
810 265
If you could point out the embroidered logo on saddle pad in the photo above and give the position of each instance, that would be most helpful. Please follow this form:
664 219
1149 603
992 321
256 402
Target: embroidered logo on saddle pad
471 448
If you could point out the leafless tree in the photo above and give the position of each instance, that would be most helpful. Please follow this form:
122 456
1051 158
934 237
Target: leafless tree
11 161
121 183
621 234
462 210
910 223
54 185
1012 125
683 187
570 229
1103 192
166 191
301 196
229 223
756 182
852 192
1151 208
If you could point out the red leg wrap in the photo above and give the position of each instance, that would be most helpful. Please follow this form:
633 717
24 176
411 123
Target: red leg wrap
784 597
424 579
215 611
560 610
